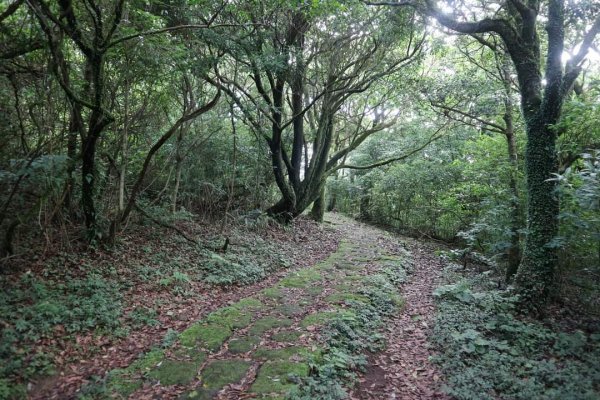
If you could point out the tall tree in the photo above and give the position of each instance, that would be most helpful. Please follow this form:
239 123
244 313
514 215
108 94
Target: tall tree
301 76
544 82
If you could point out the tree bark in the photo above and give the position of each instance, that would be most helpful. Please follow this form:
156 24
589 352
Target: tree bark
318 209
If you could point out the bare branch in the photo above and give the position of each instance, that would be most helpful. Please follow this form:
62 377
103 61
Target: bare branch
431 139
171 29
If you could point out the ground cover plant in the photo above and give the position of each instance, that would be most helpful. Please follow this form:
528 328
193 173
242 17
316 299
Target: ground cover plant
487 350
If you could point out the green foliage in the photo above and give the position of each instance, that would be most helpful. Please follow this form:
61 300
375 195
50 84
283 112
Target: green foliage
142 316
486 352
36 308
227 271
579 237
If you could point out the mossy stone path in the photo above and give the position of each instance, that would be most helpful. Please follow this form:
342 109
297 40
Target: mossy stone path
259 346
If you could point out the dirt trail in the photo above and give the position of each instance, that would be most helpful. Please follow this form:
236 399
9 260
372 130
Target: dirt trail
403 370
260 346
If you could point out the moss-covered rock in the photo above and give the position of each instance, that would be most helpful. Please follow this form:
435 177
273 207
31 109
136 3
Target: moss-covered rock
243 344
290 310
294 353
219 373
274 292
231 317
286 336
321 318
249 304
269 322
173 372
207 335
278 377
301 279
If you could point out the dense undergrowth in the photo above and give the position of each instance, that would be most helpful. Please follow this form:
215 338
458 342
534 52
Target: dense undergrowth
486 351
70 305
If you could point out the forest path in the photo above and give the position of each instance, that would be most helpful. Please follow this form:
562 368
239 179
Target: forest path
403 370
261 346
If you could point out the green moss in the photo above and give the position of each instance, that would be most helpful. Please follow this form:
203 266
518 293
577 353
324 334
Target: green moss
397 300
200 394
343 297
264 324
188 353
314 290
172 372
223 372
273 292
325 266
301 279
321 318
147 361
243 344
231 317
120 381
351 280
287 336
290 310
249 304
391 258
284 354
274 376
210 336
345 288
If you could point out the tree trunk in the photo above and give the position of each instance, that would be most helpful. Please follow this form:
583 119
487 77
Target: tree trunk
318 209
88 157
535 277
514 251
74 131
178 162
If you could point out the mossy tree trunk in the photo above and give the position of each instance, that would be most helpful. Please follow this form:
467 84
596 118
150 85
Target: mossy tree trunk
317 211
541 106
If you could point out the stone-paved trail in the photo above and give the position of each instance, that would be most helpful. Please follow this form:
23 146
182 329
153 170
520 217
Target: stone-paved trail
260 347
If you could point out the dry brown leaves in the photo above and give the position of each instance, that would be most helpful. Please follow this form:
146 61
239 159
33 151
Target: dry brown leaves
403 371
